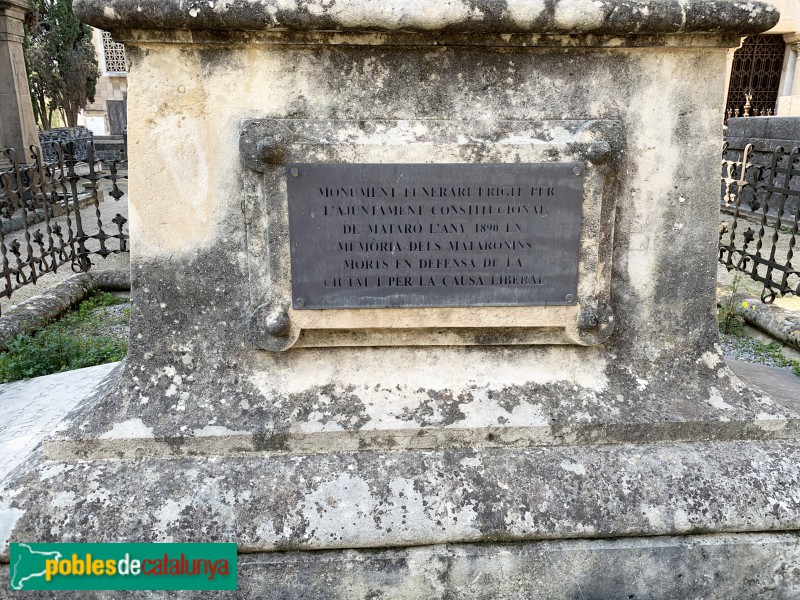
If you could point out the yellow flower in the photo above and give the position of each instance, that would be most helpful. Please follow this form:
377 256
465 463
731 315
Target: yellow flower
745 305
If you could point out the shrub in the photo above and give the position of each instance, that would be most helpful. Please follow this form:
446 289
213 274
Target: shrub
73 342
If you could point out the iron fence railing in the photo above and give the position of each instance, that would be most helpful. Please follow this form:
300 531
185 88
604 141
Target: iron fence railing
50 212
764 199
50 139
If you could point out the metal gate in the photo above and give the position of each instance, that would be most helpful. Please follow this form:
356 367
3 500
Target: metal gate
756 76
43 201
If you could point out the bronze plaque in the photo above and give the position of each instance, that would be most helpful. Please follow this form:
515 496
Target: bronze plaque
434 235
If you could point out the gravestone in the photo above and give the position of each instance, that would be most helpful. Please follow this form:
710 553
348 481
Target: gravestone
429 287
117 116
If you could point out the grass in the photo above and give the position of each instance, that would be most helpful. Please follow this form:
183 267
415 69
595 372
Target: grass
730 321
81 338
731 325
772 352
760 352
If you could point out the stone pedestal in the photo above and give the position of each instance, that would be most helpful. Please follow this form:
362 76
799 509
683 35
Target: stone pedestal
486 449
17 123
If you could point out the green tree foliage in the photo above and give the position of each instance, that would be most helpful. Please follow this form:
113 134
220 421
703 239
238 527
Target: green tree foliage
61 62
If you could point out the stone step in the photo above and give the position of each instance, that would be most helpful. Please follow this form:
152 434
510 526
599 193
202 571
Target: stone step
388 499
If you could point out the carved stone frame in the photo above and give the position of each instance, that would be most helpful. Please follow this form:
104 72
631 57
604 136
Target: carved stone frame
266 146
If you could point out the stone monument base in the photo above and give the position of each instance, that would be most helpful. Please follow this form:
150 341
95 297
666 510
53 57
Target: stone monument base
702 566
710 566
701 509
395 442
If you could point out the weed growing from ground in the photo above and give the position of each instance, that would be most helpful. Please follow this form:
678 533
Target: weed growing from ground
75 341
730 321
758 352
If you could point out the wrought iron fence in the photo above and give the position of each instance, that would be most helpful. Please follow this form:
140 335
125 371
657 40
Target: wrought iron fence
43 227
50 139
764 199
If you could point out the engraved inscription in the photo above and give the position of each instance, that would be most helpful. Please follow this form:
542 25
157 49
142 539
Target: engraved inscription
413 235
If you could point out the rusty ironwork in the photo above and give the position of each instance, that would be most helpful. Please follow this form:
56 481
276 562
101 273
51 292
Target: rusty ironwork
764 201
755 76
46 216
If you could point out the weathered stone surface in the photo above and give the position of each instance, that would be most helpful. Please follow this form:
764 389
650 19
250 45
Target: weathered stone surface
384 411
34 313
777 382
506 16
387 499
712 567
197 269
379 437
17 123
33 408
195 310
776 128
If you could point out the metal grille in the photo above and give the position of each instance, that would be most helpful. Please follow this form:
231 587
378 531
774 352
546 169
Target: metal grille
113 55
51 138
756 76
770 195
52 193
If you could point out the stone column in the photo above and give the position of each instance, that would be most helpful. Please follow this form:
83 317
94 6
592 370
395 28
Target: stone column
17 123
729 68
789 103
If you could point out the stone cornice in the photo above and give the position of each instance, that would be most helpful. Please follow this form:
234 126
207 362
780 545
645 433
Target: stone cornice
24 5
12 14
793 39
595 17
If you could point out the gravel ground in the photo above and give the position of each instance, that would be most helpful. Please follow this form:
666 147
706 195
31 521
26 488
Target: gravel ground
749 350
118 325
